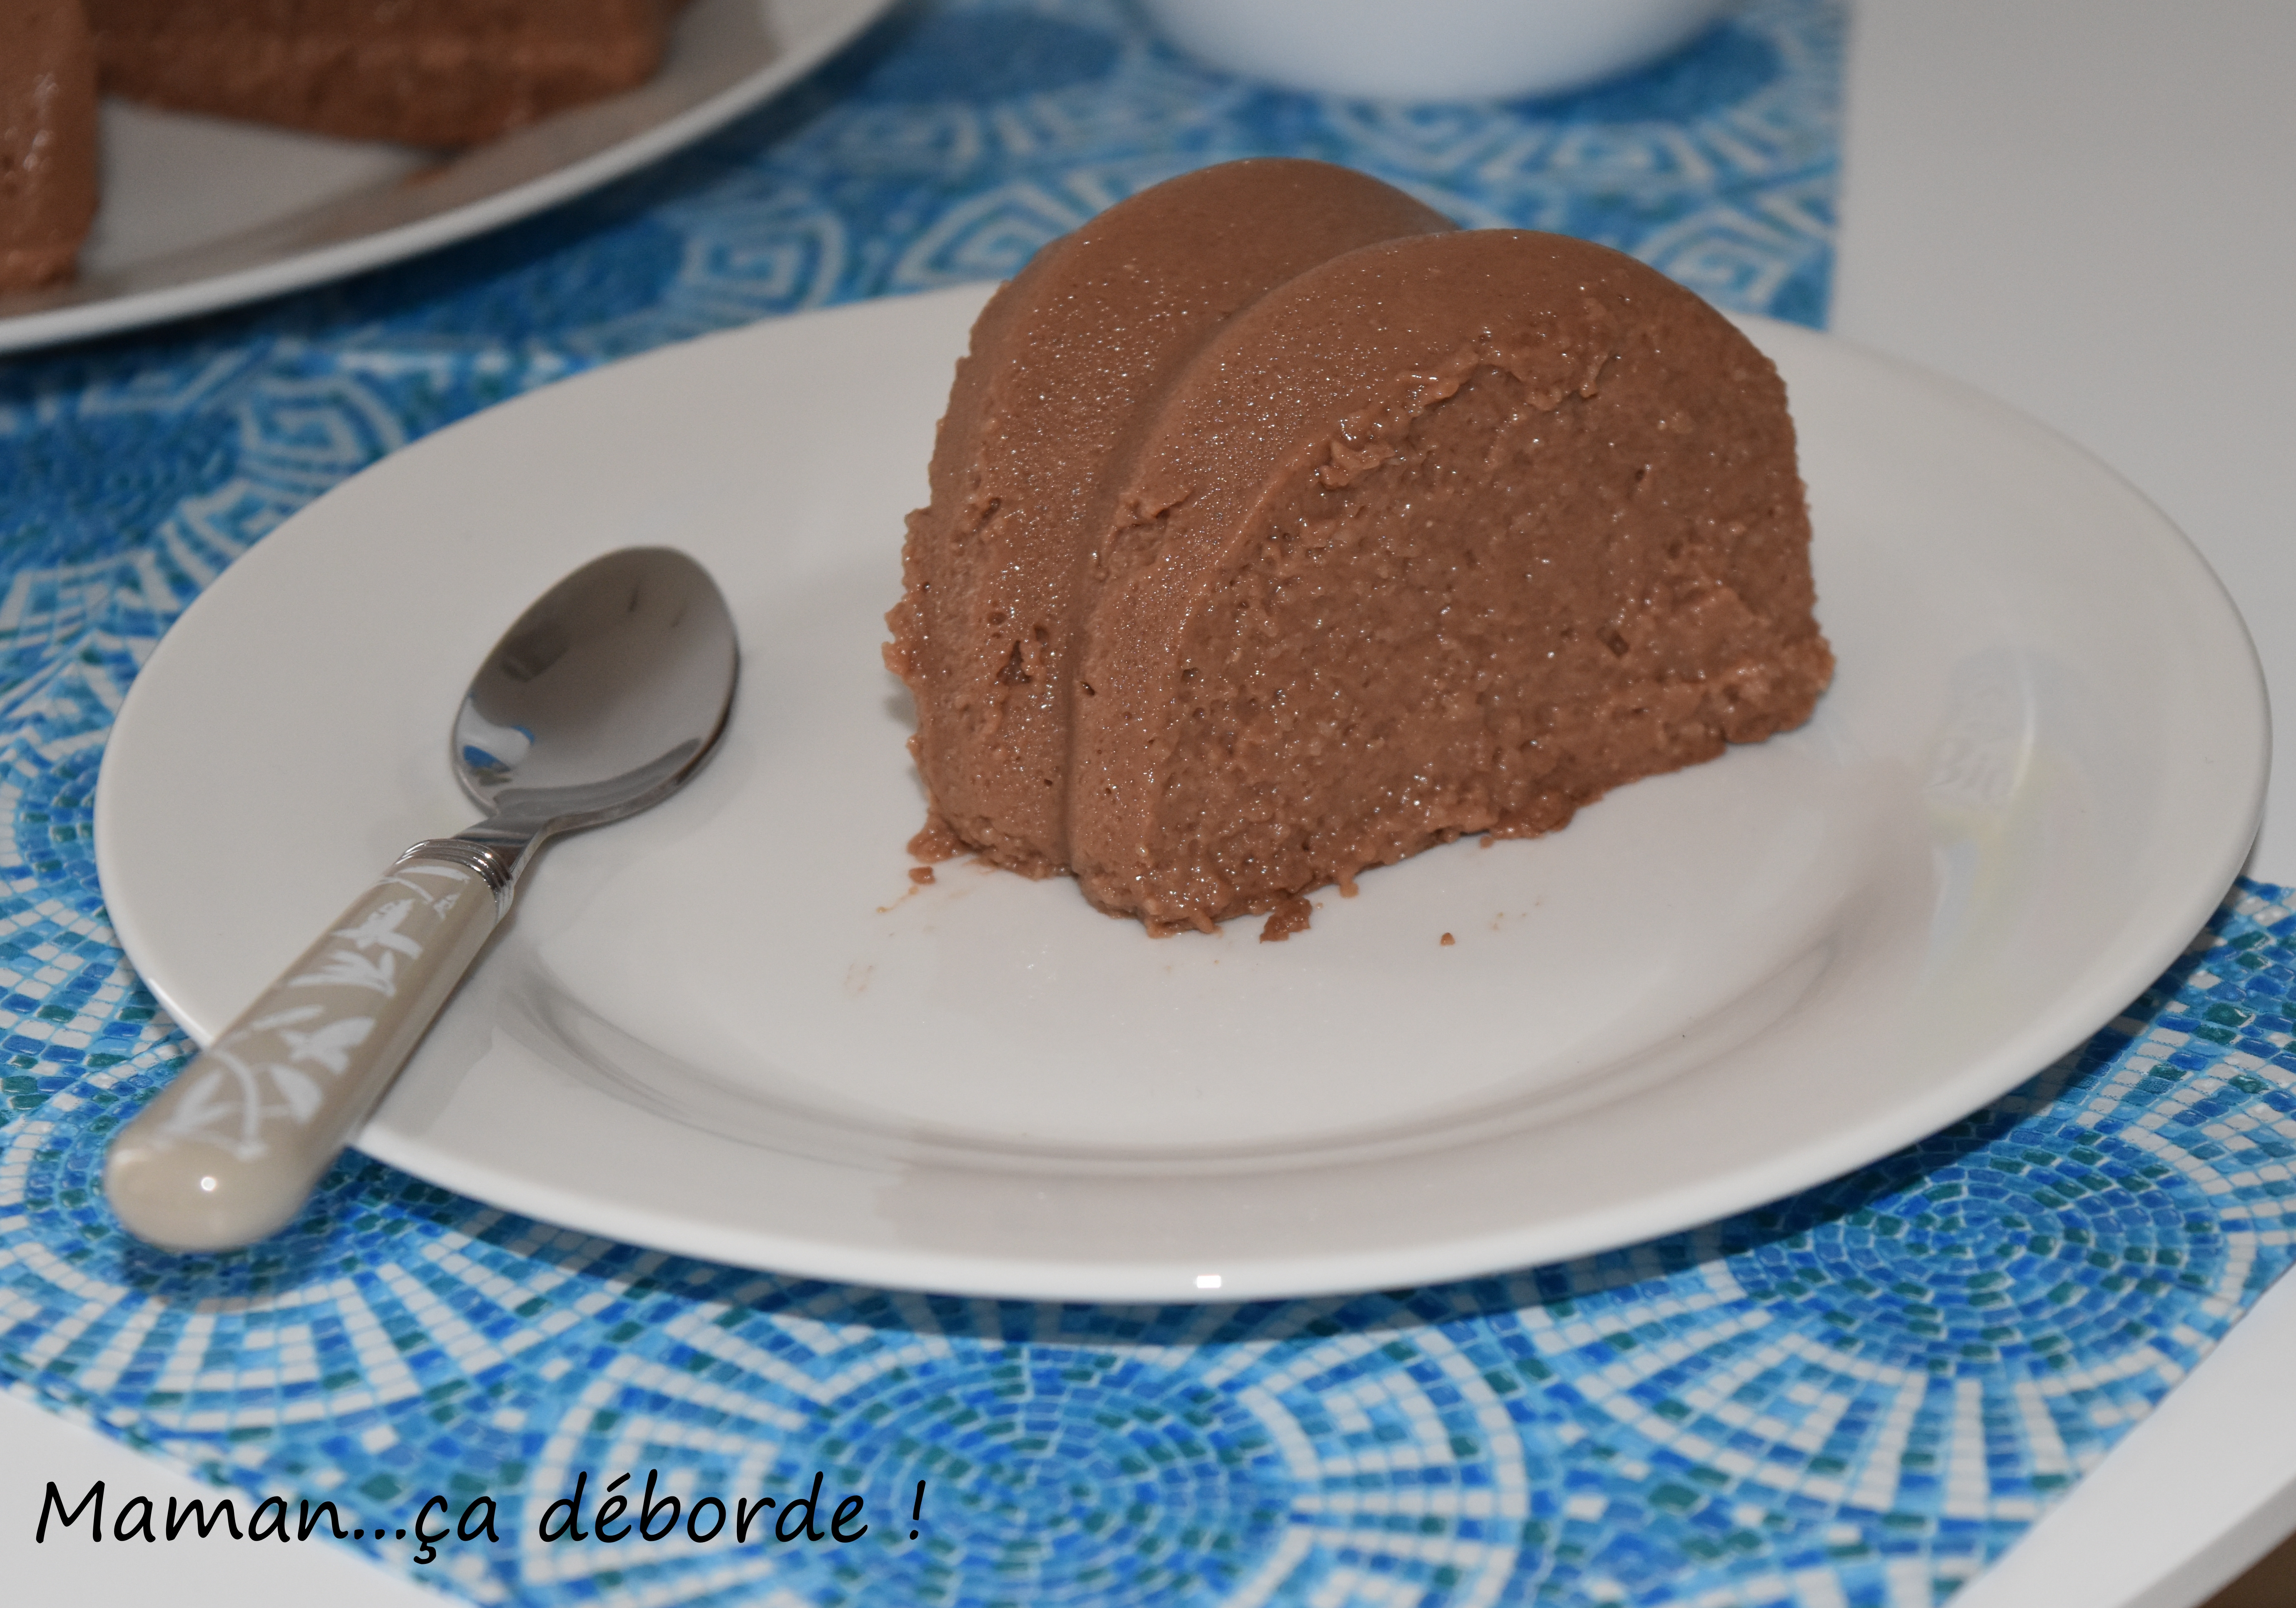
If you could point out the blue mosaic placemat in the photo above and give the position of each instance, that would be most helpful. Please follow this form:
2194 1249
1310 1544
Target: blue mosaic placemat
1856 1397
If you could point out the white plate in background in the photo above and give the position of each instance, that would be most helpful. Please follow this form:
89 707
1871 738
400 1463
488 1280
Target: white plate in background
730 1027
199 213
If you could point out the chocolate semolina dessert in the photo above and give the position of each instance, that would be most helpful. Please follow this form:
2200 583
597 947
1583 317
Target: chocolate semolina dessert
47 141
421 72
1327 550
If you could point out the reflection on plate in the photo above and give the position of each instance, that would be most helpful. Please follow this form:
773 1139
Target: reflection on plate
732 1028
200 213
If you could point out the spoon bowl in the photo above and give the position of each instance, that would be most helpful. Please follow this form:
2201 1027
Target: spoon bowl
602 698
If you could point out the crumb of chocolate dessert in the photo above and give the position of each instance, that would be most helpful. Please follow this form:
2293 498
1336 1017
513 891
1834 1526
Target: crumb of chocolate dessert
922 875
934 843
1260 554
1289 915
445 72
1448 940
47 141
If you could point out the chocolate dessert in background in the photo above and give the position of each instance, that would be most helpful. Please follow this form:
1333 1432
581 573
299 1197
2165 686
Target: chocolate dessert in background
47 141
1261 553
420 72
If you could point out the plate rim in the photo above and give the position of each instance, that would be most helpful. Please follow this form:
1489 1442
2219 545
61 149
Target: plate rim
323 265
2000 1068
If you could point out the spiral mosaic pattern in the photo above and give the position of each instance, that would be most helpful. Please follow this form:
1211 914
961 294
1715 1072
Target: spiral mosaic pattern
1856 1397
1860 1395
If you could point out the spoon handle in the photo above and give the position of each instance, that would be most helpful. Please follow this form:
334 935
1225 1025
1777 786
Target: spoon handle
228 1152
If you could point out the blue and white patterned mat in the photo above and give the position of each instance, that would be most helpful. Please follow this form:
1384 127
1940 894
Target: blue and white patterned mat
1856 1397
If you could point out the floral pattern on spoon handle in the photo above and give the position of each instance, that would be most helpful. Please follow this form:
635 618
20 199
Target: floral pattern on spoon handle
227 1152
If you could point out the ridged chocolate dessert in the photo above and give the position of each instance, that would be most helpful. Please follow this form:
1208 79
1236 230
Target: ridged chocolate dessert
47 141
421 72
1447 533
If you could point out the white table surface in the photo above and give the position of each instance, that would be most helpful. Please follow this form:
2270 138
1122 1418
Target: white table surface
2084 206
2087 208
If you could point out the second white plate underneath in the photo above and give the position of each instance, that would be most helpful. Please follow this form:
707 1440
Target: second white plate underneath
732 1028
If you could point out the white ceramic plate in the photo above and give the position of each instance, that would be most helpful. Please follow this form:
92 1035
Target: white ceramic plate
200 213
731 1028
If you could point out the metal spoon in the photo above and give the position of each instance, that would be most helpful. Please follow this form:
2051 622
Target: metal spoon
604 697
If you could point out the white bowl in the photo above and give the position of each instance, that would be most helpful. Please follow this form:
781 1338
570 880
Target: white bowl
1432 50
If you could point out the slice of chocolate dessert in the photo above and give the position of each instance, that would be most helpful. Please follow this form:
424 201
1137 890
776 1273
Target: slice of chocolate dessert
1447 533
47 141
421 72
1446 536
1068 365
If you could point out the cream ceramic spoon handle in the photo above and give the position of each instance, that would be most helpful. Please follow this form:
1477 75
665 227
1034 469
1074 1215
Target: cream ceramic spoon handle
227 1154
